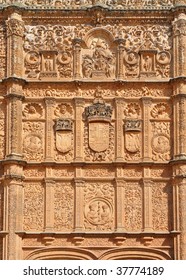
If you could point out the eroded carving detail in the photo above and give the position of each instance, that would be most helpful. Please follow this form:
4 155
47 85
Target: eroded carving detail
32 111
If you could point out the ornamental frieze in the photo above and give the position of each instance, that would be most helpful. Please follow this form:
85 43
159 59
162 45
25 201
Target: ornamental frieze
82 4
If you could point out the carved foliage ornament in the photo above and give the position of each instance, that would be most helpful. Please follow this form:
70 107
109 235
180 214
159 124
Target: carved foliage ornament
78 4
15 27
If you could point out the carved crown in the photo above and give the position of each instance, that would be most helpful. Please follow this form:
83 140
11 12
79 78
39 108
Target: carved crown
98 111
63 124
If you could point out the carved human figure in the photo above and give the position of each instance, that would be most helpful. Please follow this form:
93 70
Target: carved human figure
92 214
147 65
87 66
48 64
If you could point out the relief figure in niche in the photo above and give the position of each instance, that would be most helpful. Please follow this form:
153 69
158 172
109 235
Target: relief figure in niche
147 65
32 111
48 64
99 61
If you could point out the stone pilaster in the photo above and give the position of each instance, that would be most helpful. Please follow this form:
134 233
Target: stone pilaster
120 52
119 130
79 202
49 205
146 101
77 52
13 216
14 126
120 208
182 216
49 128
15 32
179 45
147 205
79 105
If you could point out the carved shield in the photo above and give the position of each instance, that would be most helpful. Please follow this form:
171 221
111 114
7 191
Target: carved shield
63 141
99 136
132 143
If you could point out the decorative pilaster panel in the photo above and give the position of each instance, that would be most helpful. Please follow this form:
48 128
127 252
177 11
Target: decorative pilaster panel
33 207
182 216
13 216
79 104
15 32
99 207
49 205
1 205
179 29
77 55
2 128
119 129
179 105
49 129
146 128
120 53
120 205
147 205
162 206
133 206
14 125
64 207
79 202
3 47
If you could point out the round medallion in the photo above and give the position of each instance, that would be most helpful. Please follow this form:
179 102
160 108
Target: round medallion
131 58
163 57
32 58
32 143
98 211
161 144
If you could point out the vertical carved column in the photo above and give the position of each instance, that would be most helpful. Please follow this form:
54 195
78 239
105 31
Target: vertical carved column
79 202
14 126
179 29
79 104
182 215
15 32
77 52
49 128
120 208
13 216
146 128
179 103
120 51
119 130
147 204
49 205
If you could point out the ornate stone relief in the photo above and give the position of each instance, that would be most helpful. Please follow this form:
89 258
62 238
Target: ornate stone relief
33 207
33 111
161 129
63 206
161 206
99 133
98 61
147 50
78 4
99 172
99 206
34 172
132 131
133 206
128 92
64 132
1 206
48 52
2 130
132 172
63 172
33 141
2 52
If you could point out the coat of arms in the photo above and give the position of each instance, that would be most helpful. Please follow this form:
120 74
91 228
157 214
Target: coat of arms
63 130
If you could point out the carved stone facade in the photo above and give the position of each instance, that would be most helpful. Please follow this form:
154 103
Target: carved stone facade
92 129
